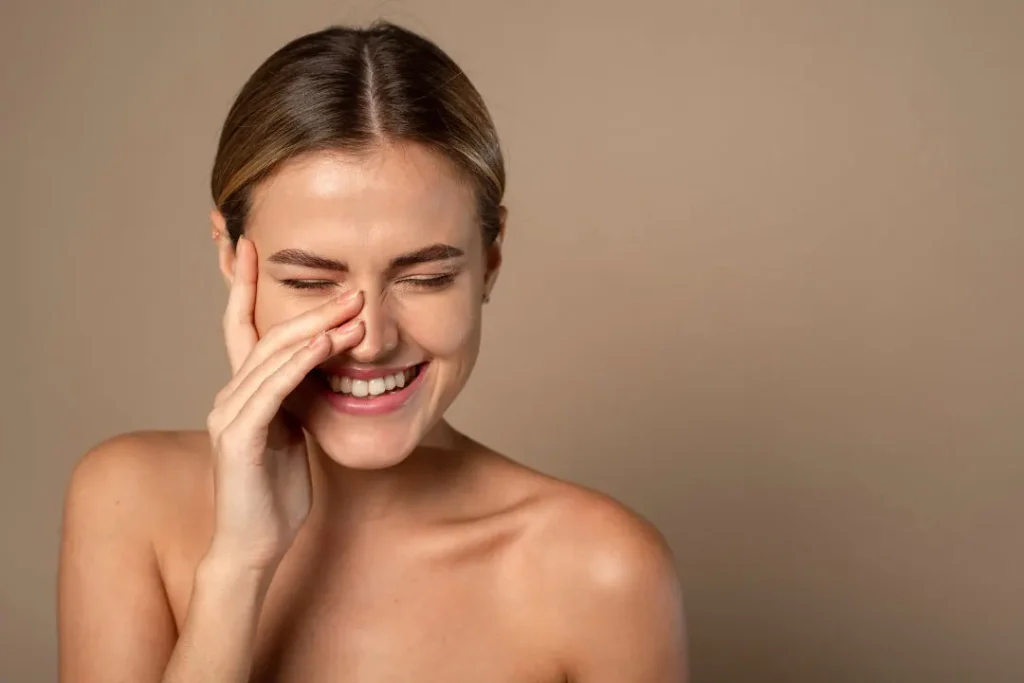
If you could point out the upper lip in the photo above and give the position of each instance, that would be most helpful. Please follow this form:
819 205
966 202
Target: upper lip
367 373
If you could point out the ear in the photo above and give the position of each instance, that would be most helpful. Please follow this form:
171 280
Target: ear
225 248
494 256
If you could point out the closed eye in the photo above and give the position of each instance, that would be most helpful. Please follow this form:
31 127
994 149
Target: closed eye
308 284
429 282
432 282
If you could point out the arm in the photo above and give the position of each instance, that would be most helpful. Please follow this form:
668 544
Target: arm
621 612
219 633
115 624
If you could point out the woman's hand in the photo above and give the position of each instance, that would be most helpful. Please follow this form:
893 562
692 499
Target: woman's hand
261 467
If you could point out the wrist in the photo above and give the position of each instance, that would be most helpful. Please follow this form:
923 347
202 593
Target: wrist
223 571
218 637
231 556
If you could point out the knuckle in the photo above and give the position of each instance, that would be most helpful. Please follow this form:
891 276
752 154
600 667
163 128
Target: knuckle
267 387
228 438
213 423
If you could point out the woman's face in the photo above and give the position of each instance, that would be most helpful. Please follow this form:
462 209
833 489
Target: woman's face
401 226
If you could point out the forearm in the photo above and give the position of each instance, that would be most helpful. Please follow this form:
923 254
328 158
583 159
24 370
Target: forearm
217 641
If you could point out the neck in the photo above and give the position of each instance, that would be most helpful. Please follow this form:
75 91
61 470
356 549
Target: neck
408 491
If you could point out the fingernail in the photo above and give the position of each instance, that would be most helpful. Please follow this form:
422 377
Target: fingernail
349 295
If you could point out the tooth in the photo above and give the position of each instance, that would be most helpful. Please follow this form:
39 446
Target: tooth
376 386
335 382
400 380
390 382
345 385
360 388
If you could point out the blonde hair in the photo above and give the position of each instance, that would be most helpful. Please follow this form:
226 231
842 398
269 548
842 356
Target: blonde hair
353 89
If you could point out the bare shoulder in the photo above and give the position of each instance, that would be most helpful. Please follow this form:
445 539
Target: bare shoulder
147 448
583 536
599 544
114 616
130 475
132 457
602 582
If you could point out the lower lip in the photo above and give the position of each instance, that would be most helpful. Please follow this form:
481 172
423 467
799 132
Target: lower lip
375 405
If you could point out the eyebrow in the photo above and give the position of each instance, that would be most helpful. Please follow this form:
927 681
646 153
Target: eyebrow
306 259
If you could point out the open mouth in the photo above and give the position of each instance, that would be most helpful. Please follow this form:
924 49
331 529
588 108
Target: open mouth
373 387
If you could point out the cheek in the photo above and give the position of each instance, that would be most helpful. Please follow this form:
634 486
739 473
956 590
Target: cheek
443 326
272 309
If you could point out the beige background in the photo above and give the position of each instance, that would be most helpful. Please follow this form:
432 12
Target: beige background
763 284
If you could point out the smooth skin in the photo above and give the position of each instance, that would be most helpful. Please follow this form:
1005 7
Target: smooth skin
290 542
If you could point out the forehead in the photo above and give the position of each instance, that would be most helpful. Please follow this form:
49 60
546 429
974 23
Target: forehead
394 198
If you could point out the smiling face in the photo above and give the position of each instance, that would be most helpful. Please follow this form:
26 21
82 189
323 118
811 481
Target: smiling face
399 224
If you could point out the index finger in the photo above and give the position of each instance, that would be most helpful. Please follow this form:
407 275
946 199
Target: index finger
239 327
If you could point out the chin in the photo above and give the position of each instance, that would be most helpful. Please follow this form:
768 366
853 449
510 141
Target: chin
372 432
367 447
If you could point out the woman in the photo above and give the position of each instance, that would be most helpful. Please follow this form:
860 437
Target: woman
330 525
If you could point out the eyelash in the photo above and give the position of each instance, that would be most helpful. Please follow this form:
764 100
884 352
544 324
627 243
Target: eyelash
426 283
307 284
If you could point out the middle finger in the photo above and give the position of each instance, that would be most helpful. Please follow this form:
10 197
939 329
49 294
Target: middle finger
332 313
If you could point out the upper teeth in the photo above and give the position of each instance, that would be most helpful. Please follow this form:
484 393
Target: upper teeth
372 387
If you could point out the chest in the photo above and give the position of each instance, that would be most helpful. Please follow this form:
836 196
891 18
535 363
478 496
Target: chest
388 620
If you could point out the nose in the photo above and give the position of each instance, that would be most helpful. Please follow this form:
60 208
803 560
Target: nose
380 337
